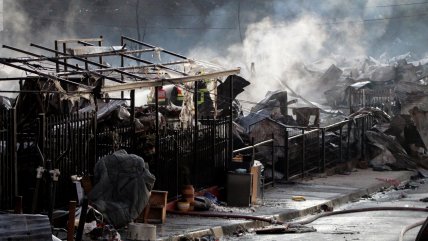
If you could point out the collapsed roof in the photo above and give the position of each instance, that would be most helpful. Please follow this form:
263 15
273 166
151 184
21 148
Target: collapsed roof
123 68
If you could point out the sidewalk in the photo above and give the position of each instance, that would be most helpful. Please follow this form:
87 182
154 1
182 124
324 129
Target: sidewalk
332 190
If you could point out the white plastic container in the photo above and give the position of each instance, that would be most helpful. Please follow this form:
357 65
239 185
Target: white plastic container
141 231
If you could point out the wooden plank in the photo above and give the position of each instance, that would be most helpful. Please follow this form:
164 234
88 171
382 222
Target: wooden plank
255 170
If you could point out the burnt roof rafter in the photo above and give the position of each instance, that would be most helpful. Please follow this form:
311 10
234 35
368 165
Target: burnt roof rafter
89 62
49 76
140 60
151 46
118 68
143 74
51 59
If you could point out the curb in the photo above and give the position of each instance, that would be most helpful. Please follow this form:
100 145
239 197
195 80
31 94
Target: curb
220 231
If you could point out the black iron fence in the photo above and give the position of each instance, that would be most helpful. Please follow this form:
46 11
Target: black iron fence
194 156
264 153
68 146
8 168
199 156
306 151
113 138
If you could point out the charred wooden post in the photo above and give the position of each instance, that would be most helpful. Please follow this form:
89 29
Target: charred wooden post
94 138
286 156
340 144
42 132
230 121
363 157
64 50
273 161
122 64
12 146
303 153
56 55
132 112
85 44
100 43
195 133
82 219
322 166
157 124
177 156
18 205
348 144
71 220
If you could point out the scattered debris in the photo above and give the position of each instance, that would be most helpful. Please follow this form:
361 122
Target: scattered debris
393 182
326 208
295 228
298 198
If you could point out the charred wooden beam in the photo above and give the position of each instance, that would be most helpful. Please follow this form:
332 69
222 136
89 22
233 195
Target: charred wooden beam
90 62
124 55
45 91
151 63
151 46
49 76
79 39
162 82
117 68
52 60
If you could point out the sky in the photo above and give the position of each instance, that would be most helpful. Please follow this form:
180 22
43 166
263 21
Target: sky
278 36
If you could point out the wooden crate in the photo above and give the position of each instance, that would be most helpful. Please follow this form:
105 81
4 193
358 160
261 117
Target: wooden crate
155 211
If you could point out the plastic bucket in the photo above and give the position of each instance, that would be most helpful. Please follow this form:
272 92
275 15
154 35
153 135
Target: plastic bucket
141 231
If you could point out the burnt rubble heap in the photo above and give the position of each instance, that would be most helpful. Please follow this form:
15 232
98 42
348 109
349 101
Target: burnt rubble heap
336 89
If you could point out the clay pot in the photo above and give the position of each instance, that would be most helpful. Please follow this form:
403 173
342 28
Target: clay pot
188 193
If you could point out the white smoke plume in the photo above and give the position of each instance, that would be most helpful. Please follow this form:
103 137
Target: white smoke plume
278 36
306 34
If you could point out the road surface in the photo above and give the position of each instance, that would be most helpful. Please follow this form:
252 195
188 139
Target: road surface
376 226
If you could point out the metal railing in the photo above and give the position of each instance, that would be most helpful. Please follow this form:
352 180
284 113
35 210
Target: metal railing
271 162
8 162
192 156
314 150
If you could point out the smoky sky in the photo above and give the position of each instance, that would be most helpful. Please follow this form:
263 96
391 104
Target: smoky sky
389 26
277 35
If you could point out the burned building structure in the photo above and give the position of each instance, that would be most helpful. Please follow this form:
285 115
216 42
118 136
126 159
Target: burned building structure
78 105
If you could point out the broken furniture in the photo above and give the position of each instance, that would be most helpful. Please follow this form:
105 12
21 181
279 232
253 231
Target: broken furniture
256 183
155 211
307 116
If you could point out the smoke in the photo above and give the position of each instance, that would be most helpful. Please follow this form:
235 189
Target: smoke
282 38
298 35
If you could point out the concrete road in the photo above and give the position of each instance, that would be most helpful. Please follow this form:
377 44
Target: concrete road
376 226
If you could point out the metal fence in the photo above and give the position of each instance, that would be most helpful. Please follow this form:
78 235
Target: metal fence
198 156
8 164
192 156
113 138
69 147
314 150
319 149
255 149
